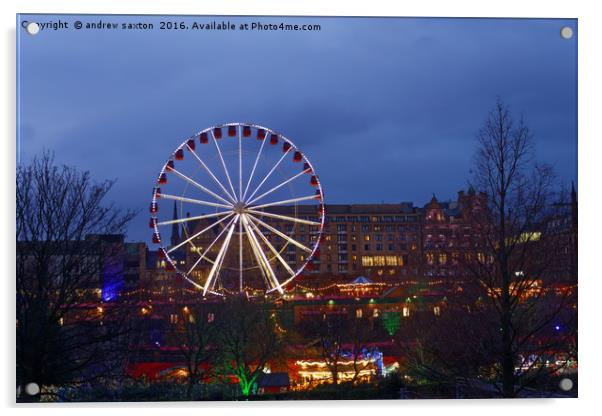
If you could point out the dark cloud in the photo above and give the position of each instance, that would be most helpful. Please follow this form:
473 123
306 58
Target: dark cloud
387 109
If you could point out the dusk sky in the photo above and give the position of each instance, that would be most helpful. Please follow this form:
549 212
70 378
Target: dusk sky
387 109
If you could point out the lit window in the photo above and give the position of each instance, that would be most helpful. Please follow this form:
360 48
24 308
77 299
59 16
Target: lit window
210 317
367 261
173 318
375 313
367 237
391 260
379 260
358 313
442 258
430 258
437 310
405 312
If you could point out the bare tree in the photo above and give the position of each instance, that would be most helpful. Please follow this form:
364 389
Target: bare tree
329 334
360 333
515 249
456 344
63 334
197 337
249 338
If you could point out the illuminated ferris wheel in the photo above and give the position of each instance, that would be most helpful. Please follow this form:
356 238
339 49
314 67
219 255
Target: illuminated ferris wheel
250 207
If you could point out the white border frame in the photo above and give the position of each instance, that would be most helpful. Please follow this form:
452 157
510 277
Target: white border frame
590 134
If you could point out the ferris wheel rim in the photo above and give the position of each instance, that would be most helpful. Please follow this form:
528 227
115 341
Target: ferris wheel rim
246 219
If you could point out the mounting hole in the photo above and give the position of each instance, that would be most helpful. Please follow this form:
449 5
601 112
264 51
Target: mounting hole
32 28
566 384
566 32
32 389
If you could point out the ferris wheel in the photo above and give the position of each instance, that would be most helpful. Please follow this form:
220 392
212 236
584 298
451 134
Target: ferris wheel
248 210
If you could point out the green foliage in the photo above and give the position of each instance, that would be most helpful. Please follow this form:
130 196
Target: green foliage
391 322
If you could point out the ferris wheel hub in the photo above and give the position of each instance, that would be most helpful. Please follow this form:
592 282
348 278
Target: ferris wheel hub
239 207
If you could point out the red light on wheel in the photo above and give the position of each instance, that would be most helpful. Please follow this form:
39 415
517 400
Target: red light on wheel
297 157
274 139
246 131
154 208
157 192
161 253
260 134
152 223
321 210
286 146
217 133
169 267
306 167
203 138
190 143
180 154
169 165
318 195
232 131
156 239
163 179
314 181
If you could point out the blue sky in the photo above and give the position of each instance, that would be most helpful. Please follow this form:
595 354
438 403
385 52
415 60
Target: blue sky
387 109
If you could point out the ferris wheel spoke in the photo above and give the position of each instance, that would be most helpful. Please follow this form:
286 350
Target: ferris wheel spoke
211 174
283 217
219 152
198 217
275 188
220 255
280 234
260 264
239 164
199 233
272 249
287 201
254 167
195 201
198 185
217 278
240 265
259 251
204 255
268 175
